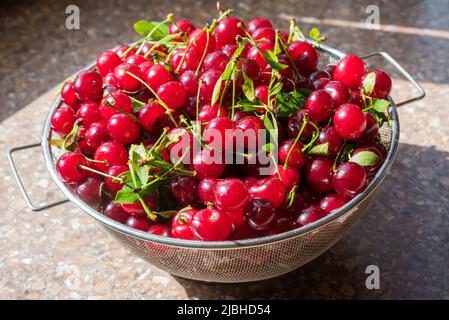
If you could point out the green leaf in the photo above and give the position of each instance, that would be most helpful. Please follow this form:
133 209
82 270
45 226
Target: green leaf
248 88
314 33
275 89
380 105
136 153
157 30
58 143
295 33
166 214
126 195
369 82
365 158
289 102
248 106
70 139
320 149
273 60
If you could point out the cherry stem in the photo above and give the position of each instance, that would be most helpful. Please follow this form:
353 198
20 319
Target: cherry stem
314 138
284 47
304 123
337 158
200 83
132 117
204 52
114 178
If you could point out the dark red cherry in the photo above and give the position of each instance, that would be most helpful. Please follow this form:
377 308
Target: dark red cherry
181 224
218 133
156 76
184 59
249 132
235 216
371 132
112 184
319 74
184 189
339 92
82 141
271 189
255 55
319 106
297 158
153 117
289 176
90 191
208 164
123 129
216 60
357 98
310 214
110 154
231 194
257 23
260 214
350 71
227 30
330 136
68 166
318 173
172 94
107 61
208 112
97 134
125 77
209 79
304 56
206 190
161 230
332 202
320 83
202 41
295 123
370 170
190 83
349 179
349 121
264 34
88 85
139 223
261 92
329 69
113 101
382 149
62 120
382 84
282 224
136 209
182 25
68 95
211 225
89 112
250 68
115 212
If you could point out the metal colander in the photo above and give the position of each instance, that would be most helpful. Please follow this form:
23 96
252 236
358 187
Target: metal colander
244 260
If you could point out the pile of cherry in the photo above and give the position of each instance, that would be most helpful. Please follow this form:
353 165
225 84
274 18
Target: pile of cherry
140 95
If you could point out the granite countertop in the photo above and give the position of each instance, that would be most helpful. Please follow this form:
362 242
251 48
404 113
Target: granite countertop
63 253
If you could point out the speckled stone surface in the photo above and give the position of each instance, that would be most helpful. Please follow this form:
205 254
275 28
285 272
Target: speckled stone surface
62 253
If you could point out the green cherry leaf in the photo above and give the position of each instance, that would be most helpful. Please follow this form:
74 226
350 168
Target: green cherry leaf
380 105
248 88
58 143
314 33
365 158
369 82
320 149
126 196
144 27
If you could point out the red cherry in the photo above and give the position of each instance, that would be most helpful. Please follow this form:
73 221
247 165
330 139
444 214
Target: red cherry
218 133
124 78
255 55
137 60
294 125
320 83
329 69
182 25
68 166
382 84
257 23
319 106
289 176
136 209
382 149
261 92
90 191
231 194
332 202
161 230
236 217
184 189
156 76
370 170
153 118
318 173
297 158
123 129
190 83
68 95
260 214
172 94
122 49
208 112
270 189
350 71
206 190
304 56
319 74
216 60
107 61
282 224
241 114
139 223
251 68
110 154
211 225
97 134
227 30
349 121
371 132
310 214
202 41
249 132
209 79
88 85
115 212
349 179
62 120
113 185
229 50
118 100
181 224
207 165
89 112
264 34
183 60
339 92
330 136
357 98
82 141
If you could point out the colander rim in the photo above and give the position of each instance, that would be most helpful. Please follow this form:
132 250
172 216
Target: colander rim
194 244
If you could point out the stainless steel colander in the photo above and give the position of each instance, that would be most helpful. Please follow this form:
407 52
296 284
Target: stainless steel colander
235 261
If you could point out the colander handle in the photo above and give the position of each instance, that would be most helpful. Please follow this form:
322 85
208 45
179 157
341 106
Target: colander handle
24 193
404 72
